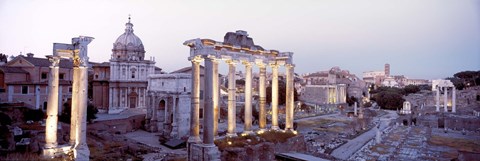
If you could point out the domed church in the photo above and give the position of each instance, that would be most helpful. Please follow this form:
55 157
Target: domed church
126 75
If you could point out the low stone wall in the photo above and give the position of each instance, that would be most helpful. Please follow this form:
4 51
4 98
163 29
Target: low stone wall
119 126
264 151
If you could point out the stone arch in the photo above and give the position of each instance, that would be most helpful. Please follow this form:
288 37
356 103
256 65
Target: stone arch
161 110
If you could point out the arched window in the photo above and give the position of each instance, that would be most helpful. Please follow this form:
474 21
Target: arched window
133 73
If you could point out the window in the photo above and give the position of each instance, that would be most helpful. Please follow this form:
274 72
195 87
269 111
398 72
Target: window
201 94
162 84
70 89
44 76
24 89
61 76
133 74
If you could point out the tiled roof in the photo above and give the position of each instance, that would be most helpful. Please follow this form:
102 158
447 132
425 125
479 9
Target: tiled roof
7 69
44 62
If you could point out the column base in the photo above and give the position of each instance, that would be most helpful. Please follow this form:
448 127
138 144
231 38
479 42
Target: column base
194 139
58 151
230 135
276 128
245 133
203 152
81 152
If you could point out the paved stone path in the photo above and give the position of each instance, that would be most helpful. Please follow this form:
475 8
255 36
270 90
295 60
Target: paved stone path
346 150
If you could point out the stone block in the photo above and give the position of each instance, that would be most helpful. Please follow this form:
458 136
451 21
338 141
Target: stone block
203 152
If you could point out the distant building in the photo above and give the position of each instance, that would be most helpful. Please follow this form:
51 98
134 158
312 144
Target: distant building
384 78
168 102
25 79
331 87
122 83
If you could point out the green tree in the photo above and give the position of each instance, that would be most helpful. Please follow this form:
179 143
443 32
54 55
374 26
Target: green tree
67 112
34 115
411 89
389 100
281 93
470 78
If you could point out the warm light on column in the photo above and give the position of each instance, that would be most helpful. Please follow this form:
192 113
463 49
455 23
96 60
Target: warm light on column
274 103
262 122
231 99
216 93
195 103
52 109
248 98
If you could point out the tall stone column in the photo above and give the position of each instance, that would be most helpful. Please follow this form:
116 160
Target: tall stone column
248 98
154 122
81 149
231 100
289 100
52 109
445 99
275 97
216 95
262 122
174 132
195 107
437 100
208 131
454 97
74 106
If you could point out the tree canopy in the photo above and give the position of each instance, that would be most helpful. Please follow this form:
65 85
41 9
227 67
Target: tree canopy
67 112
281 93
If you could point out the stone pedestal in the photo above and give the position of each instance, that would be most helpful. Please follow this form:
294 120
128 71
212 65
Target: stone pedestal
203 152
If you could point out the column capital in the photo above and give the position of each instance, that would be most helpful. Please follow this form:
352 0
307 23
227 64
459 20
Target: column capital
261 65
290 65
274 65
247 63
55 60
196 59
231 62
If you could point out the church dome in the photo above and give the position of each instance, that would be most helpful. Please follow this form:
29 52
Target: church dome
128 46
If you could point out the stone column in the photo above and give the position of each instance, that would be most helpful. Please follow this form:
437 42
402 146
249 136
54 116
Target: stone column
208 130
275 96
154 122
262 122
445 99
52 109
355 108
437 100
289 100
216 95
81 151
74 106
454 97
174 132
195 107
231 100
248 98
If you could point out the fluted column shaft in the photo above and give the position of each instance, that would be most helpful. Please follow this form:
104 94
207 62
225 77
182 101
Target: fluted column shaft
82 107
74 106
289 100
437 100
248 97
52 106
208 130
445 99
275 96
454 103
231 100
216 95
262 123
195 107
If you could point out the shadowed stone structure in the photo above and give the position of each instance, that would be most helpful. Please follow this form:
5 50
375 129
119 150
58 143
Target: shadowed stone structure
237 48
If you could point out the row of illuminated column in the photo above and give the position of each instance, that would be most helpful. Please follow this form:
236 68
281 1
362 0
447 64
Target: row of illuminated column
211 107
445 99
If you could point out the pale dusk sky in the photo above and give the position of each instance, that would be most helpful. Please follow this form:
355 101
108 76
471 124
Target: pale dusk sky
419 39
